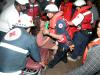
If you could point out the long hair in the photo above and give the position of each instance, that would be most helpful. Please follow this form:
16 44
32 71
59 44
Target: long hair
34 30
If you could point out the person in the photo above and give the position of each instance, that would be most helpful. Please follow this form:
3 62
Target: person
91 65
58 2
2 3
94 10
34 9
42 4
57 30
10 15
16 45
68 9
82 19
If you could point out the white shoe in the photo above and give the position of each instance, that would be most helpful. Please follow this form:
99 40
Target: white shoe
71 59
79 57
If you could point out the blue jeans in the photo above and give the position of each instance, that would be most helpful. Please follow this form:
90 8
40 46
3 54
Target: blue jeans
80 41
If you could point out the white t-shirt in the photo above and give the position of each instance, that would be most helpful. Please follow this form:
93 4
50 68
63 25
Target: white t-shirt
8 18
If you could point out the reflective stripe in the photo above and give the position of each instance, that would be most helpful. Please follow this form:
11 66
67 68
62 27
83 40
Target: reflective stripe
13 73
13 48
86 13
35 5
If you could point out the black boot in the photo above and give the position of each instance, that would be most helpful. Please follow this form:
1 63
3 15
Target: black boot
64 59
57 58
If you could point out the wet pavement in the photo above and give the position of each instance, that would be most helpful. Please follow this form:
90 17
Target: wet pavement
61 68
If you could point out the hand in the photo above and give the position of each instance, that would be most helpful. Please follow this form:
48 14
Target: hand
71 47
45 31
42 63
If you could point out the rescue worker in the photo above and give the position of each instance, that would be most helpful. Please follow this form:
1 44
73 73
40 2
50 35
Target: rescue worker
68 9
34 9
91 60
82 19
10 15
16 45
95 12
57 30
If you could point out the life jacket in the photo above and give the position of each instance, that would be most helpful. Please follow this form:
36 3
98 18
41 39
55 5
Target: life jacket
52 26
67 9
90 45
67 13
86 23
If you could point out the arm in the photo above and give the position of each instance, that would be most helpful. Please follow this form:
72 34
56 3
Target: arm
56 36
77 20
34 50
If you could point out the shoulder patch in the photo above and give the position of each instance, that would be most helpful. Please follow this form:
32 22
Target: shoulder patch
13 34
60 25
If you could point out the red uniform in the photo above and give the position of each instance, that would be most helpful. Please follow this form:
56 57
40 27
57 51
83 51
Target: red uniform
34 10
83 17
82 20
67 9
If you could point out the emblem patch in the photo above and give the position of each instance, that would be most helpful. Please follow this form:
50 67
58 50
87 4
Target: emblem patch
13 34
60 25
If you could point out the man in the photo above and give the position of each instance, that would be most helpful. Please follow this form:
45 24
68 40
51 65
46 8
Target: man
57 30
82 19
10 15
2 3
16 45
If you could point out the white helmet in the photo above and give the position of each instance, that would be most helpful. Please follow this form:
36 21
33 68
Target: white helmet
22 2
25 21
79 3
51 8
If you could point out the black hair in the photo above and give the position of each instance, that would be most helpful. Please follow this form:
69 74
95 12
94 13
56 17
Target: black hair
16 3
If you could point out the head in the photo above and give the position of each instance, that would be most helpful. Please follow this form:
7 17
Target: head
21 5
90 2
25 21
98 29
79 3
32 1
51 10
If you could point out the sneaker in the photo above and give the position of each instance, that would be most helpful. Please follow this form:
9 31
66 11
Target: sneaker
71 59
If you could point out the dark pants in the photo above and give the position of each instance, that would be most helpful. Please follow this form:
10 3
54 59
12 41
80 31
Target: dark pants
2 35
80 41
61 55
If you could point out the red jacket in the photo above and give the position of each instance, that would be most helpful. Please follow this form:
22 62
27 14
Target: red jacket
86 22
52 25
67 13
67 9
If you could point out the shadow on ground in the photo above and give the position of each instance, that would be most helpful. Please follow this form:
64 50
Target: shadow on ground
62 68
